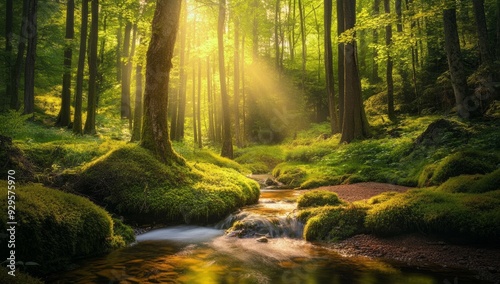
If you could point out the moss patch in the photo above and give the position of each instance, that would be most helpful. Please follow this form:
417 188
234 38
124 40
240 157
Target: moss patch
318 198
472 183
55 227
132 183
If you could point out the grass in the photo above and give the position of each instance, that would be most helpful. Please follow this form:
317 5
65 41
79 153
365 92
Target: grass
55 227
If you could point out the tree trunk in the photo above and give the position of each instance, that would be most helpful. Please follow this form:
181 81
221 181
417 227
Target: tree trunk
452 46
277 13
64 117
92 96
193 101
155 136
374 77
21 47
181 97
255 32
497 37
227 139
118 49
355 123
9 30
236 60
136 131
330 88
29 68
340 62
303 38
390 80
198 109
125 66
211 127
77 121
482 31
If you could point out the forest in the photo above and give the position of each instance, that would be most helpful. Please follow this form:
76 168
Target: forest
258 141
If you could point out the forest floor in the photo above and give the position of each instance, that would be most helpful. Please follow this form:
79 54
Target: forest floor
415 250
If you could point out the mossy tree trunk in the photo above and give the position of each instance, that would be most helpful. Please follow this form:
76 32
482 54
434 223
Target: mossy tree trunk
64 117
92 95
452 46
355 125
77 121
227 139
155 136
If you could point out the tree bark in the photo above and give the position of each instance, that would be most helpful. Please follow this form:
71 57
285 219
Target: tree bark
355 124
236 61
330 81
9 30
136 131
227 139
482 31
77 121
340 62
92 95
181 97
452 46
211 127
29 68
376 12
155 136
64 117
389 79
126 71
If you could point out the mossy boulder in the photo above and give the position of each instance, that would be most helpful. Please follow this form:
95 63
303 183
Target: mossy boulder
317 198
289 174
472 183
54 227
130 182
462 163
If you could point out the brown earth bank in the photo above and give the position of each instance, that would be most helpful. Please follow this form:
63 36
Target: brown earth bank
415 250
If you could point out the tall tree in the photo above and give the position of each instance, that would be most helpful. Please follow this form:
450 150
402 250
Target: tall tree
126 72
155 136
9 29
21 48
77 121
227 139
136 130
64 117
29 67
340 61
355 125
482 31
92 94
236 80
179 113
303 40
211 123
453 54
374 78
389 78
334 127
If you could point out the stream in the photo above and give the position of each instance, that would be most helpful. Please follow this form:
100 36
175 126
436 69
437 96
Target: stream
194 254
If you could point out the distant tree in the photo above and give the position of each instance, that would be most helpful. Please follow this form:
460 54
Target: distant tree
179 107
456 68
155 136
355 125
340 61
29 67
389 78
330 90
136 130
227 139
482 32
9 29
126 72
77 121
92 94
64 117
236 79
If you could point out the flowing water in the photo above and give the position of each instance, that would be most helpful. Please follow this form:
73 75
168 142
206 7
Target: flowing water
193 254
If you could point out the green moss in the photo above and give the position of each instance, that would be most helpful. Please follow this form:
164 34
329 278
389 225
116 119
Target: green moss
132 183
54 227
259 159
206 156
464 162
334 223
290 174
318 198
463 217
473 183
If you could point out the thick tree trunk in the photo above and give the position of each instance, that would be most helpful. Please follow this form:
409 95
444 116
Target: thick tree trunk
126 72
355 123
389 79
452 46
482 32
227 139
136 131
92 97
236 61
155 136
77 121
340 62
330 82
29 68
64 117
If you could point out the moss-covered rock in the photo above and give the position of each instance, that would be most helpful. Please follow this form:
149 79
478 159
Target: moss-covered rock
471 218
464 162
316 198
290 174
132 183
54 227
472 183
333 223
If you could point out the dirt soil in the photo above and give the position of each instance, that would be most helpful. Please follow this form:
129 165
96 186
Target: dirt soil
415 250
